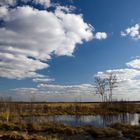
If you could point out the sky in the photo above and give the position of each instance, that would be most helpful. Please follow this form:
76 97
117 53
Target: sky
51 50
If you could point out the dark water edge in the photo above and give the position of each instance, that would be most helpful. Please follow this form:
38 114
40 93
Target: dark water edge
87 137
74 137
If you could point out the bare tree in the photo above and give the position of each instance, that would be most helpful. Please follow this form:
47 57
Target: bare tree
100 85
112 83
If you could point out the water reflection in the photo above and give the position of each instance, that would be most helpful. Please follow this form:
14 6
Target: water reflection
97 120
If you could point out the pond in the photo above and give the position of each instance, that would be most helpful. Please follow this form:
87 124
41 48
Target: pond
95 120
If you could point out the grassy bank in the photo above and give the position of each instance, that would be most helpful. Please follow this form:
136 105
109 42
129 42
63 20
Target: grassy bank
28 131
55 131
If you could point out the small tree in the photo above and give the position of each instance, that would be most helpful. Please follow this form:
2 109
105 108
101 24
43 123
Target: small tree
112 83
100 85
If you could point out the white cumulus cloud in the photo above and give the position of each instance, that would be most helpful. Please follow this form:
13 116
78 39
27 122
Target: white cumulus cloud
133 32
134 63
122 74
101 35
30 36
43 79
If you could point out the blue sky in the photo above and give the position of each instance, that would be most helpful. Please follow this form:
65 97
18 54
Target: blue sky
105 37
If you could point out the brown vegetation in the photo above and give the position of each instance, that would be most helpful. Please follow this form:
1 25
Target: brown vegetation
24 130
128 130
16 110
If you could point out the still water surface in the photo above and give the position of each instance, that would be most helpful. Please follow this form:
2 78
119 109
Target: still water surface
95 120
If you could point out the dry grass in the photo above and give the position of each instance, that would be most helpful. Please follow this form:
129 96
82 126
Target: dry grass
37 131
9 110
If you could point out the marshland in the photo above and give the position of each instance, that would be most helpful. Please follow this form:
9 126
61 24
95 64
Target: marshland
69 120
